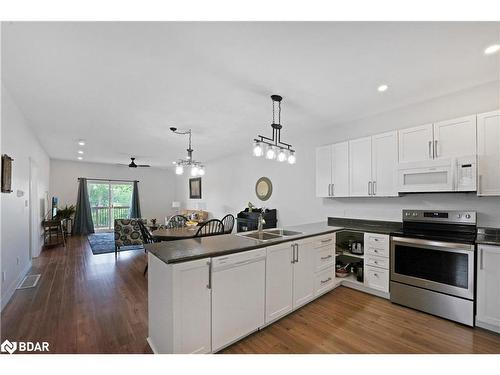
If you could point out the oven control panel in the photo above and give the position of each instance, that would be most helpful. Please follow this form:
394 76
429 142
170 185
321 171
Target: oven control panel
437 216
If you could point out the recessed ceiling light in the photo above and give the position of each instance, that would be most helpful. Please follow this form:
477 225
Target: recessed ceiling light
80 158
80 152
382 88
494 48
81 142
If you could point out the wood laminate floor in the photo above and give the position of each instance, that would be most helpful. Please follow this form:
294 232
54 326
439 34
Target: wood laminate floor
87 303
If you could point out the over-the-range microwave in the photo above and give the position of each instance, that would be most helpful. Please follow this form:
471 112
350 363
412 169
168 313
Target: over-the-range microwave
445 175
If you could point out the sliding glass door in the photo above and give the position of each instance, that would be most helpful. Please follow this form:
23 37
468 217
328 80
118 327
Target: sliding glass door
109 201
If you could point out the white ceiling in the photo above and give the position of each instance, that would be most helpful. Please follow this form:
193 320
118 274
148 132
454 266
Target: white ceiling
120 86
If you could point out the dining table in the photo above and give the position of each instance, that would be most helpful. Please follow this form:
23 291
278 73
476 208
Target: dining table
170 234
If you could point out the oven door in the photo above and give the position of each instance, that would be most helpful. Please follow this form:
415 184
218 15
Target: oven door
440 266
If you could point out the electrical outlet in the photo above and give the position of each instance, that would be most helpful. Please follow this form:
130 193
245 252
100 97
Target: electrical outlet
4 276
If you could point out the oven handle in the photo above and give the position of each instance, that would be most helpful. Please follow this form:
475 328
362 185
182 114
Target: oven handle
435 244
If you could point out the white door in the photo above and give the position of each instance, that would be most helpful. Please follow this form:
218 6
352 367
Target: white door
488 286
455 137
416 143
384 164
323 171
303 273
488 150
340 169
360 167
279 281
192 308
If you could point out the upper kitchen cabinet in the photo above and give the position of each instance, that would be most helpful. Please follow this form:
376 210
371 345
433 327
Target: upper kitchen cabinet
416 144
455 137
332 170
488 151
384 163
360 167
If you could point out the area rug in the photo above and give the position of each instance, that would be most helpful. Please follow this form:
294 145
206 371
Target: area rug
103 243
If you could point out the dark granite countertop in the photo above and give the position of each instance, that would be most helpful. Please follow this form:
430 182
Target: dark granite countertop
488 236
206 247
373 226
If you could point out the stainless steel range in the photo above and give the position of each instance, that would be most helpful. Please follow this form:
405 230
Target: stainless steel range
432 263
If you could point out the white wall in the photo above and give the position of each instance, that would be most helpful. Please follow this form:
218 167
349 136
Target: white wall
20 143
156 186
229 182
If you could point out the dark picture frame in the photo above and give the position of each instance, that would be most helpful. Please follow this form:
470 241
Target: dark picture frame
6 179
195 188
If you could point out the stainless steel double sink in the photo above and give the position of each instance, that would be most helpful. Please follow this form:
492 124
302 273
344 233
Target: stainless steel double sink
269 234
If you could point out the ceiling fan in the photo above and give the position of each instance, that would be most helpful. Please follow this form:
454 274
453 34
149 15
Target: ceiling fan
133 165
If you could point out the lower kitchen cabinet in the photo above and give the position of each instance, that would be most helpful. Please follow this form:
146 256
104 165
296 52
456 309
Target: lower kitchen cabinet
377 278
179 306
303 273
488 287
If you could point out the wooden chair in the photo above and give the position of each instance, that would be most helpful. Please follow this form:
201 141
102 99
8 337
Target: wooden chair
210 228
176 221
147 238
127 233
228 222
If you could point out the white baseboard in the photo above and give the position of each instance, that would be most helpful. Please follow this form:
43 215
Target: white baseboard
9 292
151 345
488 326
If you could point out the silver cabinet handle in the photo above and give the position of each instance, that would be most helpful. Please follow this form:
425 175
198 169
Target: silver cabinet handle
297 247
436 148
375 274
327 257
430 149
325 281
293 253
369 187
209 285
481 264
480 184
333 190
374 189
329 190
325 241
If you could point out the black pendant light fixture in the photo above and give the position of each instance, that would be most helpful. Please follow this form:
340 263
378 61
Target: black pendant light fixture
197 168
273 148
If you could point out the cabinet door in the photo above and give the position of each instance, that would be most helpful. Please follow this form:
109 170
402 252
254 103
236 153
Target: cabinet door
303 273
279 281
323 171
415 144
360 167
340 169
488 149
455 137
191 303
488 285
384 164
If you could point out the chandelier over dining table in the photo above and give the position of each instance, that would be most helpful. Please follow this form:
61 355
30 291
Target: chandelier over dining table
273 148
196 167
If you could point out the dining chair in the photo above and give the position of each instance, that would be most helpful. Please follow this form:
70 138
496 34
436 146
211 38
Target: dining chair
210 228
176 221
228 222
147 238
127 233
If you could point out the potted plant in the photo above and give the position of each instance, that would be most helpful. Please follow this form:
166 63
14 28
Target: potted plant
65 214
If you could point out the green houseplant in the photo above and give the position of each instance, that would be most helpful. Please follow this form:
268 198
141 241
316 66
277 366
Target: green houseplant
65 213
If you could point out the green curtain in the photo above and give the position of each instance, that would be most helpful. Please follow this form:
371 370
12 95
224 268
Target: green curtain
83 216
135 207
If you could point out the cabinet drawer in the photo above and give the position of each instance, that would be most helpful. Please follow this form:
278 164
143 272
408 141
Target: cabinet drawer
325 281
325 257
322 241
377 261
377 244
377 278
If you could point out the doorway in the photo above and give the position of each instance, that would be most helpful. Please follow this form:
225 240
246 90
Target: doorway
109 201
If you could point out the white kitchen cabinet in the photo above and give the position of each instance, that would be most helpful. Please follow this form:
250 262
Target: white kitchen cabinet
332 170
488 150
279 281
323 171
340 169
377 278
384 163
360 167
179 306
416 143
488 287
303 273
455 137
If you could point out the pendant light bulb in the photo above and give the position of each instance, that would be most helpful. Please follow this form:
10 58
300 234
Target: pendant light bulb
179 169
271 153
282 155
201 171
194 171
291 158
258 151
